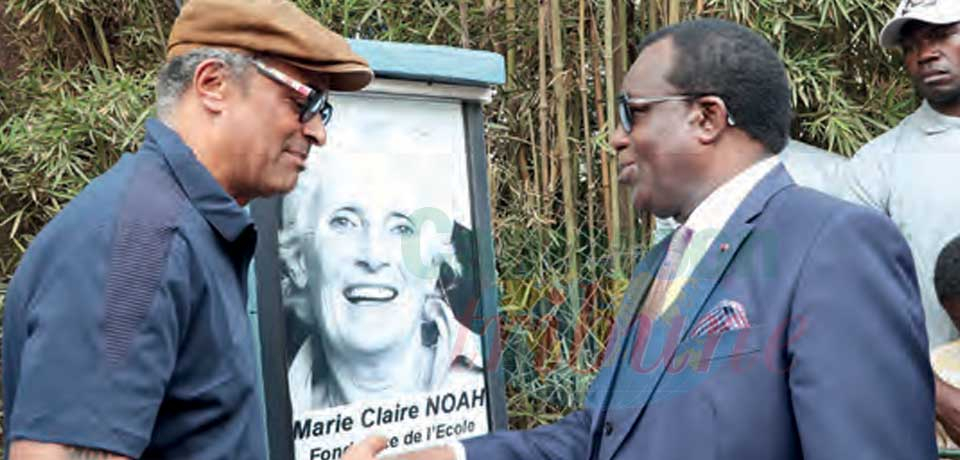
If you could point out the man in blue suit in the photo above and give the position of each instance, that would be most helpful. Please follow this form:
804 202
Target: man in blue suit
776 322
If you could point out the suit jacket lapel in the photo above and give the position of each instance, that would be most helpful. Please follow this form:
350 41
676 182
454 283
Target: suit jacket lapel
690 305
616 346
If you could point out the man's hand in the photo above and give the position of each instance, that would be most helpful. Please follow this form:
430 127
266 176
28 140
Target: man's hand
373 445
432 453
366 449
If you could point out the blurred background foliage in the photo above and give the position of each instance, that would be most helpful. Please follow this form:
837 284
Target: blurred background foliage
76 84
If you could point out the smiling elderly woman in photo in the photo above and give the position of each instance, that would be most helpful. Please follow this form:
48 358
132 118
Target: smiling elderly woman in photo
365 237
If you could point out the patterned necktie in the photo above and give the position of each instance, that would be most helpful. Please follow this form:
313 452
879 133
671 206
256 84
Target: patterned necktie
621 386
653 304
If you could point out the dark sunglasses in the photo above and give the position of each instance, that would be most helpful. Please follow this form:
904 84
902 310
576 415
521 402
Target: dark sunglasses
625 106
317 101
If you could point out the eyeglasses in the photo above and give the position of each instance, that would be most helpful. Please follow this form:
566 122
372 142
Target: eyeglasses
626 111
625 103
317 101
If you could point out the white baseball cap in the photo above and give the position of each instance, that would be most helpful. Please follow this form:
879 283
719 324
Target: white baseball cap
929 11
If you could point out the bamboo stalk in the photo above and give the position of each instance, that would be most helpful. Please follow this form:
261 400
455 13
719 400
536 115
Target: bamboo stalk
598 104
699 8
523 168
537 181
464 25
614 224
536 184
623 59
511 42
566 158
543 108
489 16
554 166
674 12
652 13
587 137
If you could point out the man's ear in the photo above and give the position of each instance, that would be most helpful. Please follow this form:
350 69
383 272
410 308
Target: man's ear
210 82
711 118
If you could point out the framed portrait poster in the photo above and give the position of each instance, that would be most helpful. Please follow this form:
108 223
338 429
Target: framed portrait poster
375 287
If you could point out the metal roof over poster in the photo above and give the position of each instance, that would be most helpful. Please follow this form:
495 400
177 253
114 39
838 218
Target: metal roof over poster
375 292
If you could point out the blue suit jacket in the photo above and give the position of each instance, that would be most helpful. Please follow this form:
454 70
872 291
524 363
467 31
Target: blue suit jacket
834 365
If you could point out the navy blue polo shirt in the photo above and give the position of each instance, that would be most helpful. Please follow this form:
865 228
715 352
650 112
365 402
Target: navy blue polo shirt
125 326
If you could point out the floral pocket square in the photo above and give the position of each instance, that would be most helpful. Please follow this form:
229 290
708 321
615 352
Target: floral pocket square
728 315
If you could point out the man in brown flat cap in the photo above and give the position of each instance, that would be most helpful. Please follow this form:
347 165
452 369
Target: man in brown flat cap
125 329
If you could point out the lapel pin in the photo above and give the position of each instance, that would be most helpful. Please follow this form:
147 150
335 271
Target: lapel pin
724 247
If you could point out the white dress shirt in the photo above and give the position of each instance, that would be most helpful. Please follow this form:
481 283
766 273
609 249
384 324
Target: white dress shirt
709 218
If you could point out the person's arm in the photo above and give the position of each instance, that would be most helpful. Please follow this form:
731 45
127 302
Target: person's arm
32 450
860 379
948 408
567 439
100 350
431 453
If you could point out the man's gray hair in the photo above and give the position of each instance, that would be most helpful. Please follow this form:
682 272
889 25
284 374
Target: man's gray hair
177 75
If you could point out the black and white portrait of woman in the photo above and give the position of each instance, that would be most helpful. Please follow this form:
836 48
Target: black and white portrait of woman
369 261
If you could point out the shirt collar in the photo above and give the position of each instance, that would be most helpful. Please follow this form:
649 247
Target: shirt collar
717 208
933 122
209 198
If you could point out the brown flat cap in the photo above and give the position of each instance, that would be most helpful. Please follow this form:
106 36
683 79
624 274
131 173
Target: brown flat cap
273 27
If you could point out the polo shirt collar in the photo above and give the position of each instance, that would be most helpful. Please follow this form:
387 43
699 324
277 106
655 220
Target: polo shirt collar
209 198
933 122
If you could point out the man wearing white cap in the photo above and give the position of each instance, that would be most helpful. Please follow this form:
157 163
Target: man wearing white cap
910 172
